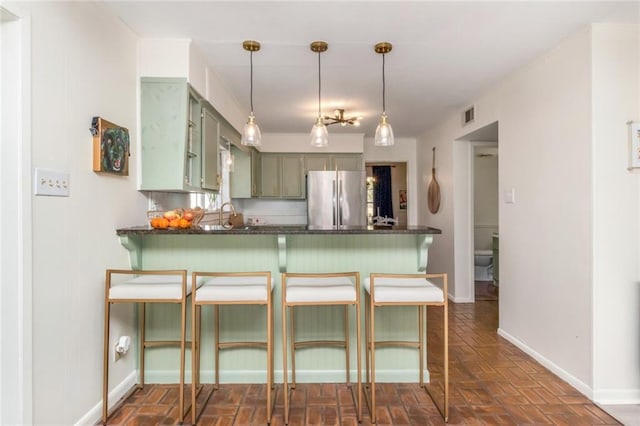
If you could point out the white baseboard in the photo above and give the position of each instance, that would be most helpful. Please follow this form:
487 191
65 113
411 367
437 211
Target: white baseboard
616 396
555 369
461 299
95 413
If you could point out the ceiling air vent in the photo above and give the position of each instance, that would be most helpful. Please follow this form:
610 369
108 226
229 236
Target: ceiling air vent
469 115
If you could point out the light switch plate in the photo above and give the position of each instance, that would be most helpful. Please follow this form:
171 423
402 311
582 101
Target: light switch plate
51 182
510 196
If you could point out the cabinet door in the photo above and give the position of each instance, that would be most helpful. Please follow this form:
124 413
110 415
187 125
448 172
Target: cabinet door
164 120
210 157
349 162
319 162
241 174
255 172
270 174
292 176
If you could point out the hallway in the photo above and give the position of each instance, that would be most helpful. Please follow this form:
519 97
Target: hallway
491 382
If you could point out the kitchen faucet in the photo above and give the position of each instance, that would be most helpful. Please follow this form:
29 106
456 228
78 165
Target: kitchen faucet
227 224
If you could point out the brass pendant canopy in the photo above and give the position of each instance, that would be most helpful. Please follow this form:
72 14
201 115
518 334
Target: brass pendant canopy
383 47
251 45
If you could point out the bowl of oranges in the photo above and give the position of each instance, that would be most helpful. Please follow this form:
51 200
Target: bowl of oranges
175 219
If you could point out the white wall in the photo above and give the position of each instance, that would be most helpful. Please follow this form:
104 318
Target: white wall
616 216
83 63
569 291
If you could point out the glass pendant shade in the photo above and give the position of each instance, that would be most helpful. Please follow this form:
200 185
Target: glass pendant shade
319 134
251 133
384 133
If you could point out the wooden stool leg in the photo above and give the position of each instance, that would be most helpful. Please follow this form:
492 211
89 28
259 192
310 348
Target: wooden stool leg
194 360
373 363
421 345
143 339
285 384
346 342
358 359
292 320
183 349
269 360
216 344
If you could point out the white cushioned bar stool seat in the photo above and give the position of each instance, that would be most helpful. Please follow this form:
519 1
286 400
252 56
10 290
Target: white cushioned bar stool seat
232 288
318 289
142 287
421 291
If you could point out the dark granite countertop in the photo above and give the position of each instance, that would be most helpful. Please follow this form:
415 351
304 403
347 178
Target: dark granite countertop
277 230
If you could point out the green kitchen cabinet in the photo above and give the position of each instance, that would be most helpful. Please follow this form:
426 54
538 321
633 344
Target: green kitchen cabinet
179 132
349 162
292 176
324 162
240 177
281 176
255 173
317 162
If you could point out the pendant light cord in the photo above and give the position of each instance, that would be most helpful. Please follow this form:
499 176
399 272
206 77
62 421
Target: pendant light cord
251 79
319 85
383 86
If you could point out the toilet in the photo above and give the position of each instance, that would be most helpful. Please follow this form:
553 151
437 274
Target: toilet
483 262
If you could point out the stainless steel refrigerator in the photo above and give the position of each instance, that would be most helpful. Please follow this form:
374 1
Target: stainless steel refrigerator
336 199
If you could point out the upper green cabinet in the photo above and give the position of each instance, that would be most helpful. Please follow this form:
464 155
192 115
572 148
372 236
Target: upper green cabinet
180 132
349 162
281 176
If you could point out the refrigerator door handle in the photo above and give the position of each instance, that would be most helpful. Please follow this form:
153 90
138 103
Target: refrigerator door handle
340 202
335 203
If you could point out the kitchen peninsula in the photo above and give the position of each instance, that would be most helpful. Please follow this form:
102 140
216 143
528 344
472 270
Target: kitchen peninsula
284 249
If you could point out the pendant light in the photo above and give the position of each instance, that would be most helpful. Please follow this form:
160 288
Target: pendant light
251 132
384 132
319 134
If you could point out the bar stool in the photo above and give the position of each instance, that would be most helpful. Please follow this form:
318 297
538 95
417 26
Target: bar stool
157 286
314 289
405 290
232 288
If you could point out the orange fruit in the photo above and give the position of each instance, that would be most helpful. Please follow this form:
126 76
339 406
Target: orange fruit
155 222
184 223
174 223
163 223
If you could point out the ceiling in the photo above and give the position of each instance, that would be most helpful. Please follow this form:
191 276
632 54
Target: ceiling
444 54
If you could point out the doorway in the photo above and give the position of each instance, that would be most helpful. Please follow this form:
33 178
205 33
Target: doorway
387 191
465 150
485 219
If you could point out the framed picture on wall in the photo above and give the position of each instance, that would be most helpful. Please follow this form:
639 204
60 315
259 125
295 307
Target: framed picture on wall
634 144
110 147
403 199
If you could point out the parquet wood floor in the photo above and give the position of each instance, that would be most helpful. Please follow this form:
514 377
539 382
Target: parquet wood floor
491 383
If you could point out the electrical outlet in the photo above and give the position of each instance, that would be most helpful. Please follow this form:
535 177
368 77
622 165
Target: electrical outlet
51 183
116 355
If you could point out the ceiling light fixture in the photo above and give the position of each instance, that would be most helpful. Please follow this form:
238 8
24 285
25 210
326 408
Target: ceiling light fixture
251 132
338 117
319 134
384 132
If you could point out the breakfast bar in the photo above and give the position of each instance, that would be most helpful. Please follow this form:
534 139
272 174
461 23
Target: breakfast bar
281 249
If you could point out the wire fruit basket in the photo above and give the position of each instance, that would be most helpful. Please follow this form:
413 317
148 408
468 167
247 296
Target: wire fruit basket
175 219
